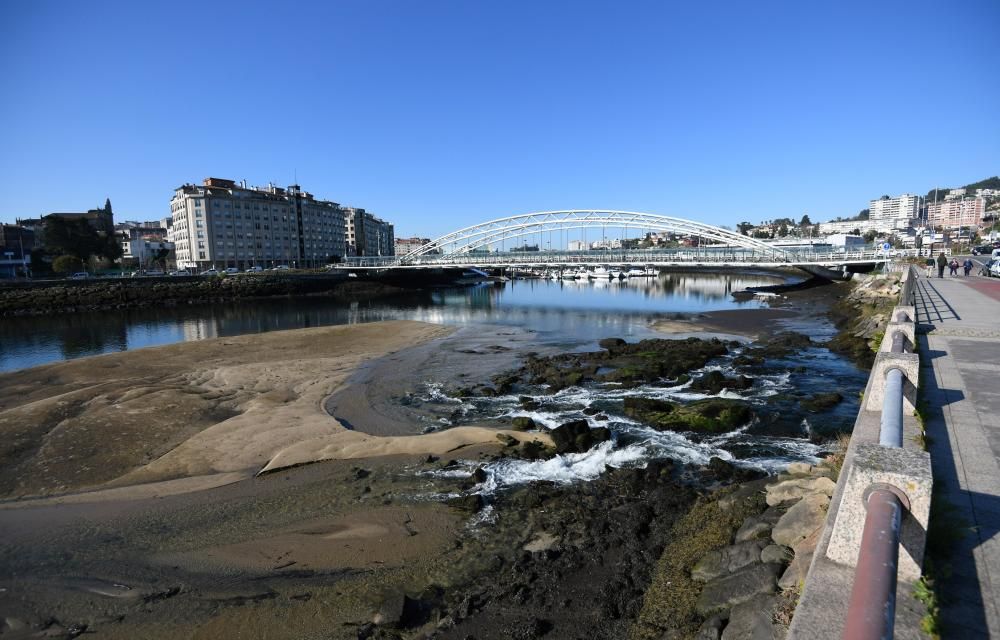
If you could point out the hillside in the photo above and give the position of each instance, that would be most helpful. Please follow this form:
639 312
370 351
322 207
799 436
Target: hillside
988 183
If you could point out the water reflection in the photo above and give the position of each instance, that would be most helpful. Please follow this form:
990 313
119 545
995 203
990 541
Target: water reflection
563 311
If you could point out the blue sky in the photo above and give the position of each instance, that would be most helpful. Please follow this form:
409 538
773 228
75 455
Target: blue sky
436 115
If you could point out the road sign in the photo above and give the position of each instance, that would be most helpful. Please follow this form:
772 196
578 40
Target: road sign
886 246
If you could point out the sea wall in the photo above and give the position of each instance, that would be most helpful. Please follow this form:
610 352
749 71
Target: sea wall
69 296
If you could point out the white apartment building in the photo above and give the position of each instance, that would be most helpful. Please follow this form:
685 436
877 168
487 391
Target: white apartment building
576 245
224 224
367 235
847 226
894 214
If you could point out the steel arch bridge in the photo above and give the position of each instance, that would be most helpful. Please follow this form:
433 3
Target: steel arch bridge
465 247
493 232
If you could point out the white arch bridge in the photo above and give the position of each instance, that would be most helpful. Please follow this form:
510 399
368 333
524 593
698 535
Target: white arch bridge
495 243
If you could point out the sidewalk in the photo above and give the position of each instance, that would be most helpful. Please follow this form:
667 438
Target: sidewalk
959 326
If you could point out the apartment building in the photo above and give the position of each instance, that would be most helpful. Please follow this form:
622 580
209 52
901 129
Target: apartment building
956 213
894 214
404 246
367 235
224 224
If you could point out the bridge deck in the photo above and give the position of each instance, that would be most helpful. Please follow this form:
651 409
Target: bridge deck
959 318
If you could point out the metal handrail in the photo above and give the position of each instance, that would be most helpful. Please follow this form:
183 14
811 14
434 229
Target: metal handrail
872 610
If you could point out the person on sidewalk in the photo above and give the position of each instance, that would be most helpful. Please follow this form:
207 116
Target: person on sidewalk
953 267
929 267
967 266
942 262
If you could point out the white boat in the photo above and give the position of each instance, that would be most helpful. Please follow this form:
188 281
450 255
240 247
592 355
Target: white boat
635 273
568 275
617 274
599 273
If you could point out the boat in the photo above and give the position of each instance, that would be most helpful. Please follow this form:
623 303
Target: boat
599 273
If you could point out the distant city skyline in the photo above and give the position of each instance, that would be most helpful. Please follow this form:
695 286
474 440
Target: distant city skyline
439 115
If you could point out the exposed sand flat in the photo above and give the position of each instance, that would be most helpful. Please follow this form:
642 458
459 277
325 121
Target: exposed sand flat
742 322
232 406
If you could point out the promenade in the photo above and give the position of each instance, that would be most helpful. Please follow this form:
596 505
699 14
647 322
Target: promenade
959 339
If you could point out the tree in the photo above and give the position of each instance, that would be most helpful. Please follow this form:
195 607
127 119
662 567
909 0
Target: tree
782 230
160 257
744 227
66 264
870 235
805 221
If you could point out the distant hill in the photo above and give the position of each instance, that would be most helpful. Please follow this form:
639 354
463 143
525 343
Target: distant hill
988 183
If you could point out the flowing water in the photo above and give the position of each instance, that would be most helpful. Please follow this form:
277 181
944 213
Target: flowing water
517 317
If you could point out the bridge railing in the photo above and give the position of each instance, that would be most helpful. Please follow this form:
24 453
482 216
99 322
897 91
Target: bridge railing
879 513
562 259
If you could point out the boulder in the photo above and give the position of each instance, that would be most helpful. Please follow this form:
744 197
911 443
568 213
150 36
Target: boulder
715 415
821 401
507 439
799 468
522 423
710 629
471 503
798 569
777 554
714 382
754 620
801 520
744 493
797 488
753 529
727 560
612 344
729 591
576 436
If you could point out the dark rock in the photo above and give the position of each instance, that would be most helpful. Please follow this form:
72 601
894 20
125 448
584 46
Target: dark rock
710 629
612 344
577 436
507 439
714 382
534 450
753 529
821 401
360 474
591 411
777 554
715 415
729 591
480 475
727 560
728 472
471 503
522 423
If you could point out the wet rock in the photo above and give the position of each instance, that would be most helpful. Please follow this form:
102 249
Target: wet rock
577 436
431 459
535 450
754 620
728 472
727 560
360 474
743 494
821 401
591 411
480 475
776 554
470 503
705 416
522 423
611 344
714 382
729 591
801 520
798 487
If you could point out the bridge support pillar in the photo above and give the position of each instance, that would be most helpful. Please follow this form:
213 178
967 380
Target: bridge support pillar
904 472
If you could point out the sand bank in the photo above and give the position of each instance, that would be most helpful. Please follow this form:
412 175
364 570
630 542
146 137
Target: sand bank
751 323
233 406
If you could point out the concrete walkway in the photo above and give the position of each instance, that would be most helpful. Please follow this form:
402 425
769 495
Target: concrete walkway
959 326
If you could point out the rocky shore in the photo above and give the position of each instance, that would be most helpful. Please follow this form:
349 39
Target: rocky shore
111 294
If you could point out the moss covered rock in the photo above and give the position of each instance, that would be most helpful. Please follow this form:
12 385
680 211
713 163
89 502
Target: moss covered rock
706 416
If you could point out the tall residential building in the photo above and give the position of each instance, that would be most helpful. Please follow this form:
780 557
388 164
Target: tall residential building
368 235
894 214
221 223
956 213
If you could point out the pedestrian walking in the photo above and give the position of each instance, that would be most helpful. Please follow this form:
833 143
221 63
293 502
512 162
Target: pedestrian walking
953 267
967 266
942 262
929 267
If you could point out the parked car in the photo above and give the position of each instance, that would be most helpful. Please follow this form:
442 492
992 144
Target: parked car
209 272
154 272
255 269
79 275
178 273
232 270
281 267
995 269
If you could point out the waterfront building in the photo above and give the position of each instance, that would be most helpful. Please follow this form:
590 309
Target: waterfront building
956 213
367 235
847 226
576 245
404 246
224 224
16 243
894 214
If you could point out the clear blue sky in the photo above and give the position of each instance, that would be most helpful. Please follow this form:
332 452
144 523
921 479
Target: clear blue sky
436 115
